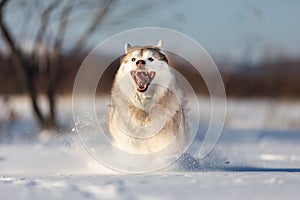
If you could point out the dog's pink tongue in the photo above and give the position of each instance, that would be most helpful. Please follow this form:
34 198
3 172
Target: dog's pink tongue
142 79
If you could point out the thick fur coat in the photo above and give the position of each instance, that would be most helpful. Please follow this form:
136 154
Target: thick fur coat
147 112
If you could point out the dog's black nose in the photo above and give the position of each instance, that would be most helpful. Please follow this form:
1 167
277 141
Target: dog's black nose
140 63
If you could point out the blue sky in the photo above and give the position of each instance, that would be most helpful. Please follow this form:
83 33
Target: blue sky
237 30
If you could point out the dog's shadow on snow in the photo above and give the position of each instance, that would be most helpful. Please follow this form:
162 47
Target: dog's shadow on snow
188 163
219 160
259 169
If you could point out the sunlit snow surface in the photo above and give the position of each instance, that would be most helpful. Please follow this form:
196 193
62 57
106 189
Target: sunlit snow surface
257 157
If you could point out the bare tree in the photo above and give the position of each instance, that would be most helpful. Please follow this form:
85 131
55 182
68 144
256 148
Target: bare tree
43 62
39 67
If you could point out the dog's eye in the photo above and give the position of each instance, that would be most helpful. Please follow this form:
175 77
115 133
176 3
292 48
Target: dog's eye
133 59
150 59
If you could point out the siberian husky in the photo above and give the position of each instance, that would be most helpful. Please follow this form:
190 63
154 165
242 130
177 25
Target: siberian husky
147 111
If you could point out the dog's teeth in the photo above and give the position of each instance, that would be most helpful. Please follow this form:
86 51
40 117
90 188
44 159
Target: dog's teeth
143 76
142 79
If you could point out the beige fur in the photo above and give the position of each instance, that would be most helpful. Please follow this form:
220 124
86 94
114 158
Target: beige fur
152 120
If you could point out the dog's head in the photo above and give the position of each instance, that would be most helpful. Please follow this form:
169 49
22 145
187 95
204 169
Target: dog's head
143 69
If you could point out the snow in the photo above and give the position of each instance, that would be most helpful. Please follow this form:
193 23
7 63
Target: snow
216 185
257 157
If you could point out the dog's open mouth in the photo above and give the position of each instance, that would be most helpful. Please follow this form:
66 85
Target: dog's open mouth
142 79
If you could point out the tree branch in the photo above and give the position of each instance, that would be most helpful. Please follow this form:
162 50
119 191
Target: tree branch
93 26
5 31
20 64
3 3
54 61
45 20
64 19
15 51
57 48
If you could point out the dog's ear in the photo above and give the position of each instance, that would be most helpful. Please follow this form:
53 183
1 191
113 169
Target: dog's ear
159 44
127 47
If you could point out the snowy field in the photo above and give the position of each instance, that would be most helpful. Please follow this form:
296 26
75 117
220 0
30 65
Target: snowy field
257 157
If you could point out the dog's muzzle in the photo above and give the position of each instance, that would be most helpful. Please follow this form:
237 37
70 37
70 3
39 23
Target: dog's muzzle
142 79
